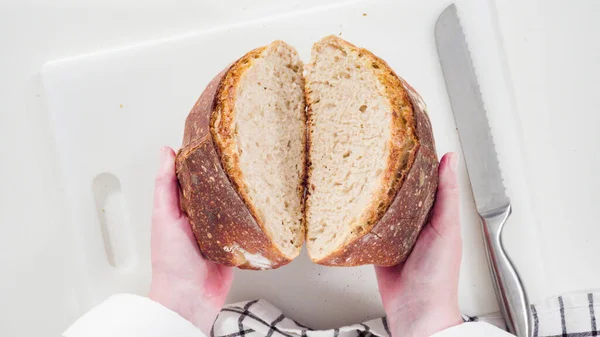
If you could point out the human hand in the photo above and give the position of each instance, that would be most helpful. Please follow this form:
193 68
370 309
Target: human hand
182 279
420 295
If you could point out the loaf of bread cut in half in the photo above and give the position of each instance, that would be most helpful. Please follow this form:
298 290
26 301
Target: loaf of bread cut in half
242 165
341 154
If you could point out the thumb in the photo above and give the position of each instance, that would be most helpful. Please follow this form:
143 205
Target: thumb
166 190
445 218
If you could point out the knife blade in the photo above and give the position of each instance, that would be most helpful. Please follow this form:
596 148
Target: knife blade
493 205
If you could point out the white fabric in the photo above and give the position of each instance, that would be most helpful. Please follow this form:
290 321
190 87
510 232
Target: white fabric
131 316
572 314
473 329
259 318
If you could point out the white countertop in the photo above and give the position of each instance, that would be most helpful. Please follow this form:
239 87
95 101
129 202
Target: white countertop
553 49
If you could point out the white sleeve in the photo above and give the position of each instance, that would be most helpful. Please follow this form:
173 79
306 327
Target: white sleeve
130 315
474 329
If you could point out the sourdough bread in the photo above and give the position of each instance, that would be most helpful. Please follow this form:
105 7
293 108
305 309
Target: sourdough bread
241 168
346 159
372 165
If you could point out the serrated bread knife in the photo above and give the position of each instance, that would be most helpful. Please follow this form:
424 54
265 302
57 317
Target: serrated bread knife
477 144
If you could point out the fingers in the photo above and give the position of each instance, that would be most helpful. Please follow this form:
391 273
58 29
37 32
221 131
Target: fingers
446 211
166 190
388 273
386 278
221 276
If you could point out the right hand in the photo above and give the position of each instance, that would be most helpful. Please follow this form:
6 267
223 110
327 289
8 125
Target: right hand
420 295
182 279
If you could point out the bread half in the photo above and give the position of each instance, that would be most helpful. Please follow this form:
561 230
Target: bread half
242 165
372 164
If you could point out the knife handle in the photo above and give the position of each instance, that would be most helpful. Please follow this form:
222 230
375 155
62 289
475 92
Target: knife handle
510 293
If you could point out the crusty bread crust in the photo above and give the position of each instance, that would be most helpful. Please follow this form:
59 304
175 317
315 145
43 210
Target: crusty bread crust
223 220
397 215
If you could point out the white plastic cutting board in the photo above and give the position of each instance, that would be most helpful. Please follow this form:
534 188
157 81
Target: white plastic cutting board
112 110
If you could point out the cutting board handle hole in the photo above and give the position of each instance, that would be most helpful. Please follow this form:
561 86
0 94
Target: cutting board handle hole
114 221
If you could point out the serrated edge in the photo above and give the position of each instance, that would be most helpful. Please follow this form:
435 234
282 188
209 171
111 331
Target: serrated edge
453 10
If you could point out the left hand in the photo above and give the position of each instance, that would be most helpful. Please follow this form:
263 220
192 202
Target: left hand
182 279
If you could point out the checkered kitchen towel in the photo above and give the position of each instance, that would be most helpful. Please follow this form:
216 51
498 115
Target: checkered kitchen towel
571 315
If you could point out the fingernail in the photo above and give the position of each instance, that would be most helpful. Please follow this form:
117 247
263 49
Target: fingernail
163 154
453 161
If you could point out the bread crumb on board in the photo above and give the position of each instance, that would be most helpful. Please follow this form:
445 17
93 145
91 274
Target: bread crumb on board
364 14
120 105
